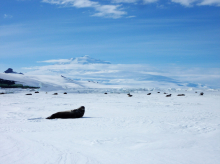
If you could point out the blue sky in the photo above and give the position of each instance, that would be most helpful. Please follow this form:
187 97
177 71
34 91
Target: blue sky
184 33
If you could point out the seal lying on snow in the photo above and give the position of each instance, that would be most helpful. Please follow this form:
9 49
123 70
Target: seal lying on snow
75 113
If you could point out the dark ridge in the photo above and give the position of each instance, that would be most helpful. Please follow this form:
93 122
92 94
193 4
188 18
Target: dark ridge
10 70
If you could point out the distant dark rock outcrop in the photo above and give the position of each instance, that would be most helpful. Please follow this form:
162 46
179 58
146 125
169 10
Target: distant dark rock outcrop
8 82
10 70
13 84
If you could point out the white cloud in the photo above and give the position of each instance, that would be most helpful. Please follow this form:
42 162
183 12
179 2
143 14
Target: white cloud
190 3
56 61
210 2
131 16
113 11
124 1
116 11
185 2
149 1
7 16
134 1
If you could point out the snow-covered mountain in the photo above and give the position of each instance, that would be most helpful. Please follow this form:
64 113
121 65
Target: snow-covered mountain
85 72
126 75
50 82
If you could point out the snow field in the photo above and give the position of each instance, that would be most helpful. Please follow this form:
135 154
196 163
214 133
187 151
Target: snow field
115 129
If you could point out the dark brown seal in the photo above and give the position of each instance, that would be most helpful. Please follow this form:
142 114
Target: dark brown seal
75 113
181 95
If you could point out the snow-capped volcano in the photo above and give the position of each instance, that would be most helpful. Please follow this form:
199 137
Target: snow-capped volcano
78 60
86 72
130 75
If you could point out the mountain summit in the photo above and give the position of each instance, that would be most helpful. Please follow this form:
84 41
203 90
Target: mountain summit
87 60
10 70
78 60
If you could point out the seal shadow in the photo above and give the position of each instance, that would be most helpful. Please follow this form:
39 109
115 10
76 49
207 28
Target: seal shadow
90 117
41 118
38 118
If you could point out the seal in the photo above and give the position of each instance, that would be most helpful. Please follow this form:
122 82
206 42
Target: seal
181 95
168 95
75 113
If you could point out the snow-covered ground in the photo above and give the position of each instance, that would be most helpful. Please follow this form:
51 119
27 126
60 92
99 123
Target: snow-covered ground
116 129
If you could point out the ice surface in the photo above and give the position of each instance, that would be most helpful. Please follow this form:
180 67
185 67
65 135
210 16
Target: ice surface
115 128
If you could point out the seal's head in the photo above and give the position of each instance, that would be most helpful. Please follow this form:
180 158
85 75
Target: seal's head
82 108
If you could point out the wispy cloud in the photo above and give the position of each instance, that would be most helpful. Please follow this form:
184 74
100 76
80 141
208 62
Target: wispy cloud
6 16
149 1
14 29
55 61
131 16
134 1
190 3
112 11
210 2
125 1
